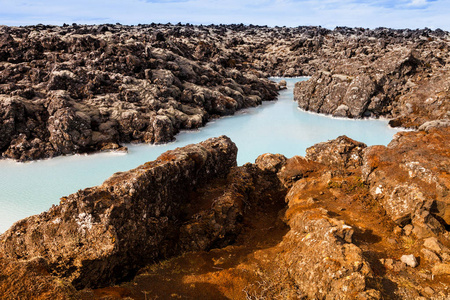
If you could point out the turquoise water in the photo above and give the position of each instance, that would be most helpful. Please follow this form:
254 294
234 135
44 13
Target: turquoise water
275 127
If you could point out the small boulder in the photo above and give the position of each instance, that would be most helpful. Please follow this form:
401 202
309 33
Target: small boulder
434 124
433 244
340 152
341 111
270 162
282 85
409 260
408 229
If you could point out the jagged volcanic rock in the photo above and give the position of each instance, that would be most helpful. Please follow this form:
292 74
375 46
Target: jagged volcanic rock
342 152
82 88
410 178
346 233
352 212
401 75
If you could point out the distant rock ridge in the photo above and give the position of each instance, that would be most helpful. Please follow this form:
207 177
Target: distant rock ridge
80 88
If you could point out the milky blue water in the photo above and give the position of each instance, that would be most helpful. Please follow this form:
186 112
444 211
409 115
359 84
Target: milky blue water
275 127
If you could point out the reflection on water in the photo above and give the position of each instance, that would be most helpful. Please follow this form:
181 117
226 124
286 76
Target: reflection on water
275 127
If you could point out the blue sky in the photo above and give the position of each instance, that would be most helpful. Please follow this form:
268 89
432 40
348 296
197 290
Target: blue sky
327 13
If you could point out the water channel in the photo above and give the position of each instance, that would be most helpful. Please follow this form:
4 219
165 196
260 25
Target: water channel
274 127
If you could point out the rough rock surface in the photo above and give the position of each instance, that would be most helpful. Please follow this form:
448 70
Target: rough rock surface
32 279
335 224
342 152
78 88
320 257
103 234
410 178
75 89
400 74
342 241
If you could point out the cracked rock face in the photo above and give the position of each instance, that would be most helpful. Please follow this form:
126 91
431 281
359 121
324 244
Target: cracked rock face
321 252
409 177
342 152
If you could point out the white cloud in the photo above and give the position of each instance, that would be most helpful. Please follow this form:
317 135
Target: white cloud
418 3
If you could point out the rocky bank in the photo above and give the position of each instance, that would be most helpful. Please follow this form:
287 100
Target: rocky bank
100 235
346 221
75 89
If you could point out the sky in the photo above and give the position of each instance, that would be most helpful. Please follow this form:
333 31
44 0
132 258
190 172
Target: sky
326 13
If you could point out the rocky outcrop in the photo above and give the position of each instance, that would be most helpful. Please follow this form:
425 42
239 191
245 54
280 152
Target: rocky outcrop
339 95
400 76
341 153
410 178
190 198
319 250
345 221
78 89
103 234
365 227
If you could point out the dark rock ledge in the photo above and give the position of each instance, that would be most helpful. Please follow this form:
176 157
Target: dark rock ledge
404 79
